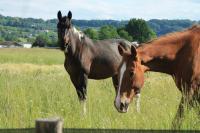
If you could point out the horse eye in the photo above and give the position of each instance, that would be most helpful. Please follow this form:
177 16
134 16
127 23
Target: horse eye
132 74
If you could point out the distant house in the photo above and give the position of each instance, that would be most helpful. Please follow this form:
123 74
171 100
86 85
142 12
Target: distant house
2 46
27 45
9 44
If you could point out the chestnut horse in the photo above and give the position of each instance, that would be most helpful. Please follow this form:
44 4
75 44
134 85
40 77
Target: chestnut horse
176 54
87 59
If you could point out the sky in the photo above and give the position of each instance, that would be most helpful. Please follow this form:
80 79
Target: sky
103 9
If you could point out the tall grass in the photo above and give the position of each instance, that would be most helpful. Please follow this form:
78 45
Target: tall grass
34 56
30 89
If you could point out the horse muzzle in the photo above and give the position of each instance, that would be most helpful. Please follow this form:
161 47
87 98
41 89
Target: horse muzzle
122 107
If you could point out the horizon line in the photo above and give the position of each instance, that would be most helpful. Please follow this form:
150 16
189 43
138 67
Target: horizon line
99 19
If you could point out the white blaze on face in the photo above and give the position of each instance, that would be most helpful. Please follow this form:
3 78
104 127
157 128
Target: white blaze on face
121 75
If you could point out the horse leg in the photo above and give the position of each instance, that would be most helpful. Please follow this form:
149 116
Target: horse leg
196 104
187 101
115 83
195 89
137 102
80 83
176 123
197 100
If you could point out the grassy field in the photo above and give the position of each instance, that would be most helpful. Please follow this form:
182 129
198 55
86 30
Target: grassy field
34 84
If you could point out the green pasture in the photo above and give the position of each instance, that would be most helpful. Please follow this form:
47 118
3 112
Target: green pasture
34 84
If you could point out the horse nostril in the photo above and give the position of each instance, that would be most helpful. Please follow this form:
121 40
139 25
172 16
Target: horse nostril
124 105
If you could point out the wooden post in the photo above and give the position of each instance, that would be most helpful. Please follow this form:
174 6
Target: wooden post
52 125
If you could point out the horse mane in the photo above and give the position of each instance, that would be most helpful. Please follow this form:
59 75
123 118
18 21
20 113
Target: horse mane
78 32
195 27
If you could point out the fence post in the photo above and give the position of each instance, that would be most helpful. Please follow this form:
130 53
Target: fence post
51 125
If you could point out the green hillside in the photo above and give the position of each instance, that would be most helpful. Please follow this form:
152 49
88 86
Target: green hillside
28 29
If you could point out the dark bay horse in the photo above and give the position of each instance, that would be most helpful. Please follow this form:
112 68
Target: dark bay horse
87 59
176 54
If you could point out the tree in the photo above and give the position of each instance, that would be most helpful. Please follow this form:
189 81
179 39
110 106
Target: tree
139 30
92 33
46 39
21 40
52 39
31 40
108 32
124 34
40 41
2 39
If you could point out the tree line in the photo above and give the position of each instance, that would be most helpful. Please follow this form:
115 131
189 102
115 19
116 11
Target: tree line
44 33
135 30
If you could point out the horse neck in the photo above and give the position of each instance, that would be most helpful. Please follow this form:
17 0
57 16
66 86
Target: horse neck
76 38
79 41
160 55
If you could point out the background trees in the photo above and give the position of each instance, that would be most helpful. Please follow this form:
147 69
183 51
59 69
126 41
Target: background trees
165 26
48 39
124 34
92 33
108 32
30 29
136 30
139 30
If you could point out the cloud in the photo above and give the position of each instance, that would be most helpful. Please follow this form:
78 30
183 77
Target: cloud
110 9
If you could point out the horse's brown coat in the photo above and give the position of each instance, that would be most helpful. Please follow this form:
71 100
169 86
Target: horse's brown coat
177 54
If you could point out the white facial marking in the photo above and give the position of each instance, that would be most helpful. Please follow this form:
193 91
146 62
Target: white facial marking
138 102
121 74
80 34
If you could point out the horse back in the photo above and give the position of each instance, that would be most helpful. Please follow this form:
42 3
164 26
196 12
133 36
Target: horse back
106 58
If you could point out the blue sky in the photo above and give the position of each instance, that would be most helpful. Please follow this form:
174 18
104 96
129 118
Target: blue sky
103 9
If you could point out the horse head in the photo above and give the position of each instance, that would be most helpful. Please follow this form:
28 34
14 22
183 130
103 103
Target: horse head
70 39
64 25
131 78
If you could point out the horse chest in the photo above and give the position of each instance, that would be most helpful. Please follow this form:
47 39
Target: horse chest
73 65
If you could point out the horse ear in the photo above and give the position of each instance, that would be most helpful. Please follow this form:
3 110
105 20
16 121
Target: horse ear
69 15
121 50
133 51
59 15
